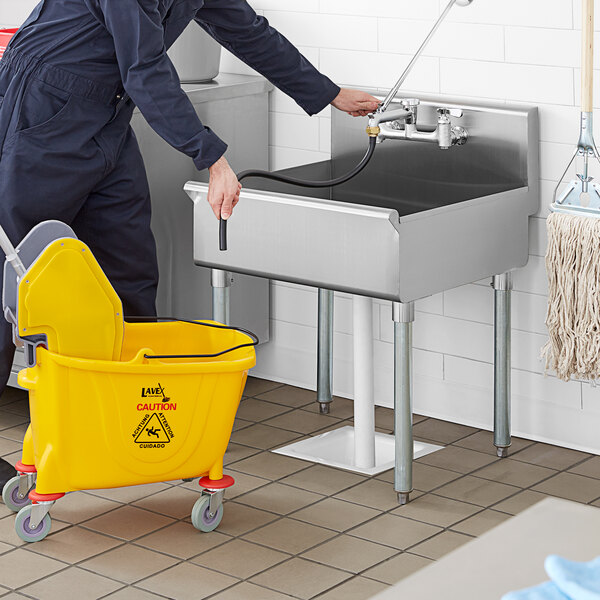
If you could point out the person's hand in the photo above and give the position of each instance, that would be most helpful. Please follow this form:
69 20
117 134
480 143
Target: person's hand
355 102
223 189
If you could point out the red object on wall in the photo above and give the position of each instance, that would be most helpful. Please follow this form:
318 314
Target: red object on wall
5 37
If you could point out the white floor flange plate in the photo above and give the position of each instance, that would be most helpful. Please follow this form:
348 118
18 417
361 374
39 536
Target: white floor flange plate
336 449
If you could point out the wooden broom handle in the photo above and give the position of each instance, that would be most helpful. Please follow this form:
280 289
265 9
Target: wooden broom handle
587 58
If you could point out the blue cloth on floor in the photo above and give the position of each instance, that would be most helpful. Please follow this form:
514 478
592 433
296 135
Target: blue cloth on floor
578 581
544 591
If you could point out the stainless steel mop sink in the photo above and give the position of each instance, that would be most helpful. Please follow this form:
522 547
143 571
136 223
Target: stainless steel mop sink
418 220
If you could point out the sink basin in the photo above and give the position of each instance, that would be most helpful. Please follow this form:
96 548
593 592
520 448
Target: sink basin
418 220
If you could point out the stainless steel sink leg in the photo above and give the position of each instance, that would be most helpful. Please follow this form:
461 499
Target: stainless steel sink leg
325 352
502 285
403 315
221 283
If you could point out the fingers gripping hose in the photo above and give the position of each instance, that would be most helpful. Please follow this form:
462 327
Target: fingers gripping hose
300 182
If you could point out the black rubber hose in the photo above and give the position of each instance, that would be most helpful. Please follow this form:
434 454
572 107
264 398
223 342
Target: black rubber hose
300 182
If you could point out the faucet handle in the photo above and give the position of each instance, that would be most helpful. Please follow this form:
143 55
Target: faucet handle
450 112
409 103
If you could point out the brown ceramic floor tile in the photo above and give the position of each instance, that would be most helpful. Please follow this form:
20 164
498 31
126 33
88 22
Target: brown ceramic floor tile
441 544
481 522
395 531
436 510
8 446
20 567
12 394
80 506
128 522
289 396
182 540
397 568
240 424
176 501
279 498
131 593
187 582
442 432
263 437
237 452
129 563
324 480
425 477
516 504
372 493
302 421
241 559
477 491
269 465
384 418
74 544
85 585
552 457
514 472
288 535
335 514
453 458
255 410
483 441
349 553
249 591
9 420
15 433
589 468
239 519
20 407
301 578
255 386
571 486
357 588
130 493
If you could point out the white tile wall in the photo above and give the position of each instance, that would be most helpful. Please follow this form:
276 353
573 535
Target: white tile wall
515 50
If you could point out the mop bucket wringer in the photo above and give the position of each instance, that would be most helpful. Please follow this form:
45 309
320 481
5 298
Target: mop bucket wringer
113 403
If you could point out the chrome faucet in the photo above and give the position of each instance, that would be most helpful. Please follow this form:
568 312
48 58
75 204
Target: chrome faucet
401 124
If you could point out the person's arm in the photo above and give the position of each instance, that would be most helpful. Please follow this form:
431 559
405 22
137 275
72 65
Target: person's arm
237 27
151 81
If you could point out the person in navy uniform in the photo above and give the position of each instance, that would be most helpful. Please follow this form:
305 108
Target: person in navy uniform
69 82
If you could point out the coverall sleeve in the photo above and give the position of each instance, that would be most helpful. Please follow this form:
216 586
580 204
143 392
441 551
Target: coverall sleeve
237 27
150 79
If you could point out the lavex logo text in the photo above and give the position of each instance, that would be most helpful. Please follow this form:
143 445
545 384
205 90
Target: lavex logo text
156 392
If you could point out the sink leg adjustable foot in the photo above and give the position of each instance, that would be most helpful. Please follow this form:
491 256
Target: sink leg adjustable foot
403 498
325 352
403 315
324 408
502 452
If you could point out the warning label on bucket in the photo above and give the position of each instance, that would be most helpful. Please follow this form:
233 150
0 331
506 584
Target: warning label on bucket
153 431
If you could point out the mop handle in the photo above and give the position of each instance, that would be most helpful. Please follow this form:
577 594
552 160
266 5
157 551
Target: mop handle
587 58
11 254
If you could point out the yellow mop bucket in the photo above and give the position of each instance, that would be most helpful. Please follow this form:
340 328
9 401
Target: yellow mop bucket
160 408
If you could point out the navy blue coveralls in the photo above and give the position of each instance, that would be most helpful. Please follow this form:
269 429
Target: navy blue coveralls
69 82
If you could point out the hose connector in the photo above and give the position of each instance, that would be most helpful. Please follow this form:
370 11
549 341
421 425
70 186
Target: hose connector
373 131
